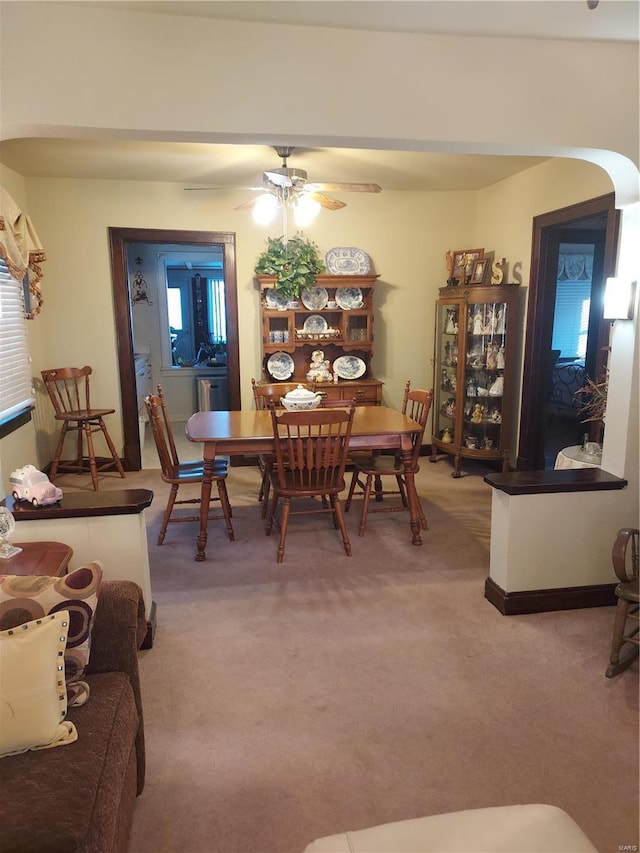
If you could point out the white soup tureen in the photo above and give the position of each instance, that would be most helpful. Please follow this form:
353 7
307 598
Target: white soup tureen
301 399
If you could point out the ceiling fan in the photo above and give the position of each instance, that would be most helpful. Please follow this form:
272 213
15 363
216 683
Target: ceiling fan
288 187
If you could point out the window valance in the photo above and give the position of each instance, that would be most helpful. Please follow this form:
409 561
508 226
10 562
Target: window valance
21 249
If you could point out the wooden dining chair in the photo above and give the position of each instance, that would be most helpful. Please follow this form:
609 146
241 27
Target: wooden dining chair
310 457
262 394
69 391
369 471
177 473
627 622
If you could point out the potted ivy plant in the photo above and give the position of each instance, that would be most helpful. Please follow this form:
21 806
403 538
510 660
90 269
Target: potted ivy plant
294 263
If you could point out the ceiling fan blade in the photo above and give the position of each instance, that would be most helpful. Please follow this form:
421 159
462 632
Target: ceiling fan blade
326 202
247 204
212 188
355 188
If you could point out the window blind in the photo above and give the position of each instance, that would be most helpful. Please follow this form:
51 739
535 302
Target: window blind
16 390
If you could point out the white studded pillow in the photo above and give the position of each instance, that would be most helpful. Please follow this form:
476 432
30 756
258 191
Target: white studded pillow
32 686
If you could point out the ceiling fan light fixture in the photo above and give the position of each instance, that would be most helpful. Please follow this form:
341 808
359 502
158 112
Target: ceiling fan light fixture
305 210
265 209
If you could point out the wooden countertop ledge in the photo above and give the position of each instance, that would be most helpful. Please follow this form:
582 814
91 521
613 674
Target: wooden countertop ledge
551 482
83 504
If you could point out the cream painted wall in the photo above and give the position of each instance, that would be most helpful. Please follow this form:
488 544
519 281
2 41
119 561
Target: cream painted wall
476 93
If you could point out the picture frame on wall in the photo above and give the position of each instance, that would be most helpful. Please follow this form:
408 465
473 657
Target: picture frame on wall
463 263
480 269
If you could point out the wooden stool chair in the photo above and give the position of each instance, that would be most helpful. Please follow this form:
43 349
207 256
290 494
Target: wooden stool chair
69 392
627 622
416 405
310 456
178 473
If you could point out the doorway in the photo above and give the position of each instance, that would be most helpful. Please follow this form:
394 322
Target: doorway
589 232
120 239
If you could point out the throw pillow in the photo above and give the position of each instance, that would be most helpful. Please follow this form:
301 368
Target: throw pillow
34 700
27 597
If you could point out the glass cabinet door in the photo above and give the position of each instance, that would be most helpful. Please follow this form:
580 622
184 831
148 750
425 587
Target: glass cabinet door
485 349
445 392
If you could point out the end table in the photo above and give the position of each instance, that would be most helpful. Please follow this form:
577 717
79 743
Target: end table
38 558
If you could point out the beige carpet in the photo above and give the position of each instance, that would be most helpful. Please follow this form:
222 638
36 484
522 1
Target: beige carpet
286 702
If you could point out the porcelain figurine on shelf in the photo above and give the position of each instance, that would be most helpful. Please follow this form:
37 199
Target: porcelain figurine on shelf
500 325
496 415
451 325
500 359
492 357
477 322
319 368
476 415
490 324
497 387
447 438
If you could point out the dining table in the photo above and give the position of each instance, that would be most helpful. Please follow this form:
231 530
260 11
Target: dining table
249 433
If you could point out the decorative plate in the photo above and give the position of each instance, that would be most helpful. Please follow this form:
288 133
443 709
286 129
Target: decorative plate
280 365
315 323
314 298
347 260
273 299
349 297
349 367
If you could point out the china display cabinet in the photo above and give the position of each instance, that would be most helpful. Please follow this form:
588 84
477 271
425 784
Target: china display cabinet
327 331
474 373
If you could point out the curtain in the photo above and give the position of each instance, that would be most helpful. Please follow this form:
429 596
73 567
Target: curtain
21 250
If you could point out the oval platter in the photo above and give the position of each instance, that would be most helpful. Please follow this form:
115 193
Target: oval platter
314 298
347 260
349 297
280 365
349 367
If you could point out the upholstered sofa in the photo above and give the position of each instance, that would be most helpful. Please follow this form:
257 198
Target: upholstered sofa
79 798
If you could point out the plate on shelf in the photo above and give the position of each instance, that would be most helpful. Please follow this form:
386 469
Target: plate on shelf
280 365
347 260
315 323
349 297
314 298
273 299
349 367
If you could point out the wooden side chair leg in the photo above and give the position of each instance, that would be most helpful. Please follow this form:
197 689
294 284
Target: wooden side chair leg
58 454
91 454
619 662
365 504
167 514
336 503
79 461
270 514
423 517
352 488
226 508
112 448
402 490
284 523
266 490
378 489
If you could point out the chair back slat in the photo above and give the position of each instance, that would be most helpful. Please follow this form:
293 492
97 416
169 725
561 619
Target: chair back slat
311 448
162 435
68 389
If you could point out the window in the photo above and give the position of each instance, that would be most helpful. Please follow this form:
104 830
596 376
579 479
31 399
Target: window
571 322
16 391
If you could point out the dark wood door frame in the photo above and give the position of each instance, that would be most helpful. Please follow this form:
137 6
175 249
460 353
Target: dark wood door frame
541 307
118 240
